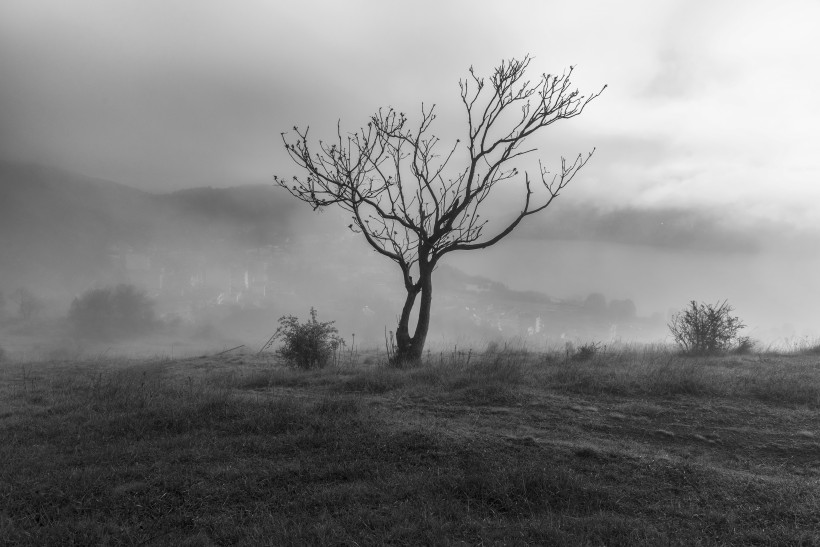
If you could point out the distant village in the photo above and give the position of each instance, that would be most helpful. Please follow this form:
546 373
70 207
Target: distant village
189 283
183 275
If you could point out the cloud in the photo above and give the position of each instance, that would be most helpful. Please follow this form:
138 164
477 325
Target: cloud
707 105
667 228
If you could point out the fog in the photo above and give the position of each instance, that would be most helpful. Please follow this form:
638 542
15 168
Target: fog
772 292
221 266
138 143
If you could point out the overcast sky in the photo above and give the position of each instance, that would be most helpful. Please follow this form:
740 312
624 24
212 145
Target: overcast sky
709 103
707 133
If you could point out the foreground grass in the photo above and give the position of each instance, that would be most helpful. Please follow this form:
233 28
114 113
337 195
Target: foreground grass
627 448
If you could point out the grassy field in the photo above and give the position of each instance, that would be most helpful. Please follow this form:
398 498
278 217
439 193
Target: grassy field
628 447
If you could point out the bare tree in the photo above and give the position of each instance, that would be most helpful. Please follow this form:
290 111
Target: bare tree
411 205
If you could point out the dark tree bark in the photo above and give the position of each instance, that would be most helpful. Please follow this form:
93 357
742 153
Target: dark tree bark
407 201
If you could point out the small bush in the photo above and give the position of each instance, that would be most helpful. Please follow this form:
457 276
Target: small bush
587 351
307 345
705 328
745 346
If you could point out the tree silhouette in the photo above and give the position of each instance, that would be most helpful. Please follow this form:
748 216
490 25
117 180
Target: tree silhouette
29 306
410 204
112 312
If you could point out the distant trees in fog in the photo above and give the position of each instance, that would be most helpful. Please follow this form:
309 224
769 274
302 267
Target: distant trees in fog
28 305
112 312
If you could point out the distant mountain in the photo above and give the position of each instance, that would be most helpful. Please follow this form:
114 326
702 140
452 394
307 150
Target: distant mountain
250 248
58 229
47 203
245 216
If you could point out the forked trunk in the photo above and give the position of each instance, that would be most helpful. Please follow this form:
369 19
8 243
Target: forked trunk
409 348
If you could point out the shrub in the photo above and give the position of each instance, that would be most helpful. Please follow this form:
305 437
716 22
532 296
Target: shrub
705 328
587 351
112 312
492 347
745 346
307 345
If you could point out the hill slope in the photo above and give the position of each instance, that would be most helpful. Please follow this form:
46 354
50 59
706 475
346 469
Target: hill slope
62 233
59 229
509 449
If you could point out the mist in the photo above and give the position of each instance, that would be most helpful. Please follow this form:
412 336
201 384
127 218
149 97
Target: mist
770 291
221 266
138 144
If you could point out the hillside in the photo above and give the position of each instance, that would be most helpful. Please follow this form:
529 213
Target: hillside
631 447
56 227
244 256
60 231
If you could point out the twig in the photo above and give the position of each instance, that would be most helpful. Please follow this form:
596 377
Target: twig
268 343
386 345
227 350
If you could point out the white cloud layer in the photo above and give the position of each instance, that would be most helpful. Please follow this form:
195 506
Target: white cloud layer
709 104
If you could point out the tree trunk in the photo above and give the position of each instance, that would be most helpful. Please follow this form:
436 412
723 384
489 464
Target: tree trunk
409 349
403 339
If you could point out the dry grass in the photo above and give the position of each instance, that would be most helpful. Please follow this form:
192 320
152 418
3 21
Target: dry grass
634 446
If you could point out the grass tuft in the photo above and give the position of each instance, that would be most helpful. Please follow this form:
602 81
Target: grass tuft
376 380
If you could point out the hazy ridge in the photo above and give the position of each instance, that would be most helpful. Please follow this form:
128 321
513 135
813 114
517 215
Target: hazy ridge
252 250
60 229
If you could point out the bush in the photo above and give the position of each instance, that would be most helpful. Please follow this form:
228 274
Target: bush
587 351
112 312
705 328
745 346
307 345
